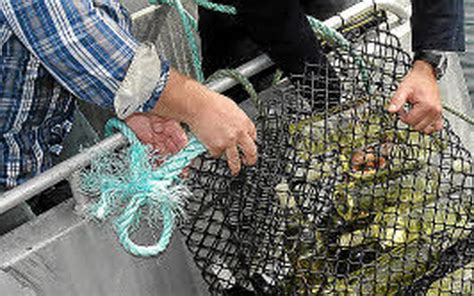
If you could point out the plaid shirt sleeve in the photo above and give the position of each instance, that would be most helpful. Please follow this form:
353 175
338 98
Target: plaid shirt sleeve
85 50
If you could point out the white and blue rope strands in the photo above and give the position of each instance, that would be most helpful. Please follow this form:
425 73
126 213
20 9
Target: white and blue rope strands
128 182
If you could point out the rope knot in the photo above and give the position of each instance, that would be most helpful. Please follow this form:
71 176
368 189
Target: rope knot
128 181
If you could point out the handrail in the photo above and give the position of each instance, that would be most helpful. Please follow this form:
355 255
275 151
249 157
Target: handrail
65 169
361 8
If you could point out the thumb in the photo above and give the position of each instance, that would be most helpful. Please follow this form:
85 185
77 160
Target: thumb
399 99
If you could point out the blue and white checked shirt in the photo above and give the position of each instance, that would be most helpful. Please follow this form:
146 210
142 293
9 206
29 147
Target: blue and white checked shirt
53 51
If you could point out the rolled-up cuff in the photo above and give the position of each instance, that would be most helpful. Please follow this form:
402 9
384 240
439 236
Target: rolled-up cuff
143 83
165 73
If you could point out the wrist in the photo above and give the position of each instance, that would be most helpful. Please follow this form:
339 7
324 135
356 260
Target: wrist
436 59
425 68
181 99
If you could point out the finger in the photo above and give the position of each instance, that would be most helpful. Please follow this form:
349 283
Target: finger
158 127
185 173
435 125
425 123
160 147
430 129
170 147
157 138
399 99
252 131
249 149
440 124
233 159
415 116
171 127
215 150
177 134
180 140
145 136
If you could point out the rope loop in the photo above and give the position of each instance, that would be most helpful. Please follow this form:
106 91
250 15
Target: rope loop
130 216
129 180
241 79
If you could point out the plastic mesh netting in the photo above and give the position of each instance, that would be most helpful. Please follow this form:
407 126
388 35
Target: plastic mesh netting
345 199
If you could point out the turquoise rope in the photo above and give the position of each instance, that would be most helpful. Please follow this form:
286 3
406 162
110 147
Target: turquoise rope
335 38
128 184
130 216
237 76
190 26
227 9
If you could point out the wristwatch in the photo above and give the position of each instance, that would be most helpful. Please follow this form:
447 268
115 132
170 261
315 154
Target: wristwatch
437 59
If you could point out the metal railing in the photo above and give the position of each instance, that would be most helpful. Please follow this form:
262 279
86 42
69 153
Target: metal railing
66 169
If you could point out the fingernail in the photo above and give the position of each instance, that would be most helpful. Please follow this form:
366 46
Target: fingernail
392 108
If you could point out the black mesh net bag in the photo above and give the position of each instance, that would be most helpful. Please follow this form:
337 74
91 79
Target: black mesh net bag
345 199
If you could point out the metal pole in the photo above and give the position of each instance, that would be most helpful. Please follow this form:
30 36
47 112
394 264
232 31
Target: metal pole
19 194
256 66
51 177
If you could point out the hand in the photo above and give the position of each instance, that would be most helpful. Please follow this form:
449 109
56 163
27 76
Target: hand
223 127
164 135
420 89
216 120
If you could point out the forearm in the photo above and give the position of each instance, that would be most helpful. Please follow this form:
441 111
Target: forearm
438 25
182 98
214 119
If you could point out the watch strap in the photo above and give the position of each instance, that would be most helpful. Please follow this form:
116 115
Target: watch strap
438 60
